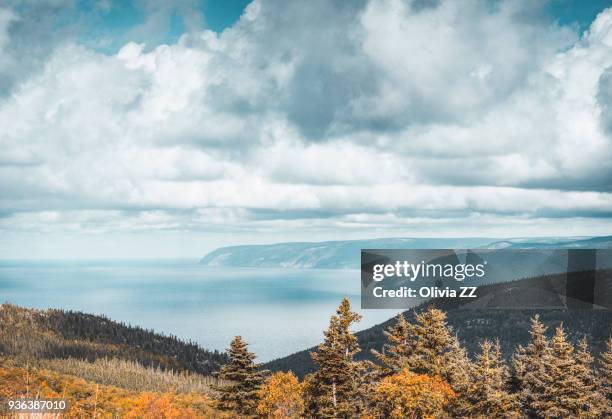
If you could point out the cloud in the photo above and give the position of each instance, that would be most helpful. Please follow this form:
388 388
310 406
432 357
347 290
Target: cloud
29 32
158 16
604 99
451 62
342 115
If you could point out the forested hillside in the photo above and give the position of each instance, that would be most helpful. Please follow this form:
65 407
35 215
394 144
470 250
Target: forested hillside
472 326
422 370
104 368
49 334
501 312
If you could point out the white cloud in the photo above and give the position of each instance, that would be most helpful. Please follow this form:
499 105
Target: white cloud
7 62
343 116
452 62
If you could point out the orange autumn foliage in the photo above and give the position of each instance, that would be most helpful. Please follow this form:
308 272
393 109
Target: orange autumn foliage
409 395
86 398
281 397
151 405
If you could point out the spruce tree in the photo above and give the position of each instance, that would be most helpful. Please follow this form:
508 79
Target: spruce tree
458 365
563 395
594 400
333 390
432 341
245 378
488 391
399 346
368 375
421 347
605 376
459 370
529 369
428 347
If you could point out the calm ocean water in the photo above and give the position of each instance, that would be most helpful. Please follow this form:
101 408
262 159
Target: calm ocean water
278 311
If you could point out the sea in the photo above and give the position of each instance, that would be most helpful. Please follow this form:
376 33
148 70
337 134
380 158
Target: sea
278 311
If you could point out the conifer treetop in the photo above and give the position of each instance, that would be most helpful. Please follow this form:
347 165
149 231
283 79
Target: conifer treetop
245 379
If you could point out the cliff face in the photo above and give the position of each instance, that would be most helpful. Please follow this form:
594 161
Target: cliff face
324 255
346 254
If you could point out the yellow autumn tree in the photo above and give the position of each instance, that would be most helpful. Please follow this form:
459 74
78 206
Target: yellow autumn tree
409 395
281 397
160 406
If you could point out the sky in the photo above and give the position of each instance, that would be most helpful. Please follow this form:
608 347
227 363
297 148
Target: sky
166 129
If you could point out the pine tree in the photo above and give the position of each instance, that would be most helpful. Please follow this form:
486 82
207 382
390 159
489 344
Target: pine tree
563 395
428 347
245 379
605 376
529 368
594 400
459 370
368 375
421 347
458 364
333 390
399 346
432 340
488 391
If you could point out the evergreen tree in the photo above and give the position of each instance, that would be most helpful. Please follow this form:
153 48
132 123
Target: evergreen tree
529 368
333 390
421 347
594 400
432 341
368 375
488 391
605 376
459 370
311 394
245 379
428 347
563 395
399 346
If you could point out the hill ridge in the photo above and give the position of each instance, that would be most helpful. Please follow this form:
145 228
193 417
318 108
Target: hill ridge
345 254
